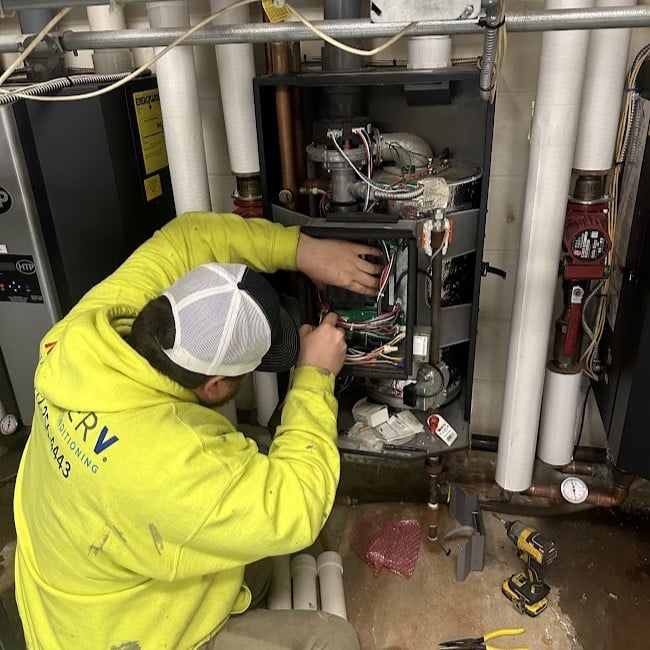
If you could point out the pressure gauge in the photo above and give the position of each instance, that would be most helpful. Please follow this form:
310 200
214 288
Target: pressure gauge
574 489
8 424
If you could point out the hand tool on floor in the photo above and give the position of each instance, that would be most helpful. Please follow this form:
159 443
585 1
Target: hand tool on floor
481 642
526 589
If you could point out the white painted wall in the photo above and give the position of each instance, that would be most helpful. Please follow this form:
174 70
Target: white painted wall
516 92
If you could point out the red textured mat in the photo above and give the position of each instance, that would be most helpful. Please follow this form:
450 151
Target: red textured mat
395 545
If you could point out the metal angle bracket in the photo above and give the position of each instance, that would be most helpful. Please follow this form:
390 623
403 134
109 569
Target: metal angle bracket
399 11
465 508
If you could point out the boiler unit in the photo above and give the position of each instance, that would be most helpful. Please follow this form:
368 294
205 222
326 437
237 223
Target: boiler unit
398 159
83 184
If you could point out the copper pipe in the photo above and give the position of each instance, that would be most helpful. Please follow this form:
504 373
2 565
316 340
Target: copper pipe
296 102
618 494
281 61
577 467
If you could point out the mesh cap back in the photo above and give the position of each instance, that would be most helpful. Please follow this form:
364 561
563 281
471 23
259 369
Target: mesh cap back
228 319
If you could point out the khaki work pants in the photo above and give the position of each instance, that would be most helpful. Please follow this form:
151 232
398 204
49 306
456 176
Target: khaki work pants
264 629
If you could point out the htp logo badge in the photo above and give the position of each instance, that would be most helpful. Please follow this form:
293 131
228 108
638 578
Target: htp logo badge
5 201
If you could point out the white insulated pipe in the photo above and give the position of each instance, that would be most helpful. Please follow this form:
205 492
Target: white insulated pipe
428 52
602 95
104 18
280 590
557 427
266 395
236 65
179 100
330 581
303 576
552 144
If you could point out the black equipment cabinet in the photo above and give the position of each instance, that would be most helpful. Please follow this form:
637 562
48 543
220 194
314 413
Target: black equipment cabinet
625 346
444 108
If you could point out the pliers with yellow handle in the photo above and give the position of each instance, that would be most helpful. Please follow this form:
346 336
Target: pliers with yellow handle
481 643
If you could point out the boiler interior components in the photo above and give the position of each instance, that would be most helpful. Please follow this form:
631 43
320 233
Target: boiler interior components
398 158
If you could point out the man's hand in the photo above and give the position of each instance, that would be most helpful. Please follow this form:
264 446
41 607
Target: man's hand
323 346
338 263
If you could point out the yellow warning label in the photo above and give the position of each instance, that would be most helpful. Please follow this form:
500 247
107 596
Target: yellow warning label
150 127
275 10
153 187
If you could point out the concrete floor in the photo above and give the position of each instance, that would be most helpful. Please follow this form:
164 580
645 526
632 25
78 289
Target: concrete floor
600 597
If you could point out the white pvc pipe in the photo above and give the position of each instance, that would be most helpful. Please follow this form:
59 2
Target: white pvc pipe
104 17
427 52
109 17
557 426
179 100
236 66
602 95
280 590
552 144
330 580
266 395
304 589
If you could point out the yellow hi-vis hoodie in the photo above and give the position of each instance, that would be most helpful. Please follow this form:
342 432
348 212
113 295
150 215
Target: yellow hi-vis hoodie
137 508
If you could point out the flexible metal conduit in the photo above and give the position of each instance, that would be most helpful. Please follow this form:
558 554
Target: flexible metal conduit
516 21
64 82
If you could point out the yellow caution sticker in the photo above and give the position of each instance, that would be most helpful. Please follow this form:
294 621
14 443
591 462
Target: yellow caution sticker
276 10
153 187
150 128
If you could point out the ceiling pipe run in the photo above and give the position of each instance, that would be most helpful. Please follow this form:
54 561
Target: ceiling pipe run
515 21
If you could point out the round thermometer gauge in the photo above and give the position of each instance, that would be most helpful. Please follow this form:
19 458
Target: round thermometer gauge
8 425
574 489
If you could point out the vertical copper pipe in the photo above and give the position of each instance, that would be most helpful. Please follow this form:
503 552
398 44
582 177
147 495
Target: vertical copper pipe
299 133
281 62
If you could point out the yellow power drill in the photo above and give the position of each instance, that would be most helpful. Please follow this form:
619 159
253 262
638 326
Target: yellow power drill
526 589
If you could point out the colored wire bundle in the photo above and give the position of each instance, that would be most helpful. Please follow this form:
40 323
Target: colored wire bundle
380 355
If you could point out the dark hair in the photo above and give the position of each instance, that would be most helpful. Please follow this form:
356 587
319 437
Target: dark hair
153 330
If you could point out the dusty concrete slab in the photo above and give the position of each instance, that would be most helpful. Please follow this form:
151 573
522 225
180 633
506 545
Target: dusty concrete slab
392 613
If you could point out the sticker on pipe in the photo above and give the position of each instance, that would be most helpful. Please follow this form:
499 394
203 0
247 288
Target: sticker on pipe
148 115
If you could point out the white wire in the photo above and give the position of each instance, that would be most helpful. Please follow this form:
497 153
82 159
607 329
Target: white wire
37 39
343 46
138 71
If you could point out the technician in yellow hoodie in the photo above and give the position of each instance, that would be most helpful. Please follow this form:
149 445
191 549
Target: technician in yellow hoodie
138 506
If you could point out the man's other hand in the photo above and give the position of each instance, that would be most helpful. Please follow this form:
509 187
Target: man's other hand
338 263
323 346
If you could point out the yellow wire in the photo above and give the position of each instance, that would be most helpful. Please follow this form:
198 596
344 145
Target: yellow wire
343 46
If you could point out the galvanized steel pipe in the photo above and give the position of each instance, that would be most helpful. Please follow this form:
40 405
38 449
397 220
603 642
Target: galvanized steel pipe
516 21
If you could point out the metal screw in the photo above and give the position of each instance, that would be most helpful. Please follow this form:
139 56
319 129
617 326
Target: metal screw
285 196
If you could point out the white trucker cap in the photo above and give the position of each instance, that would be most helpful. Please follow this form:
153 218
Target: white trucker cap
229 322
